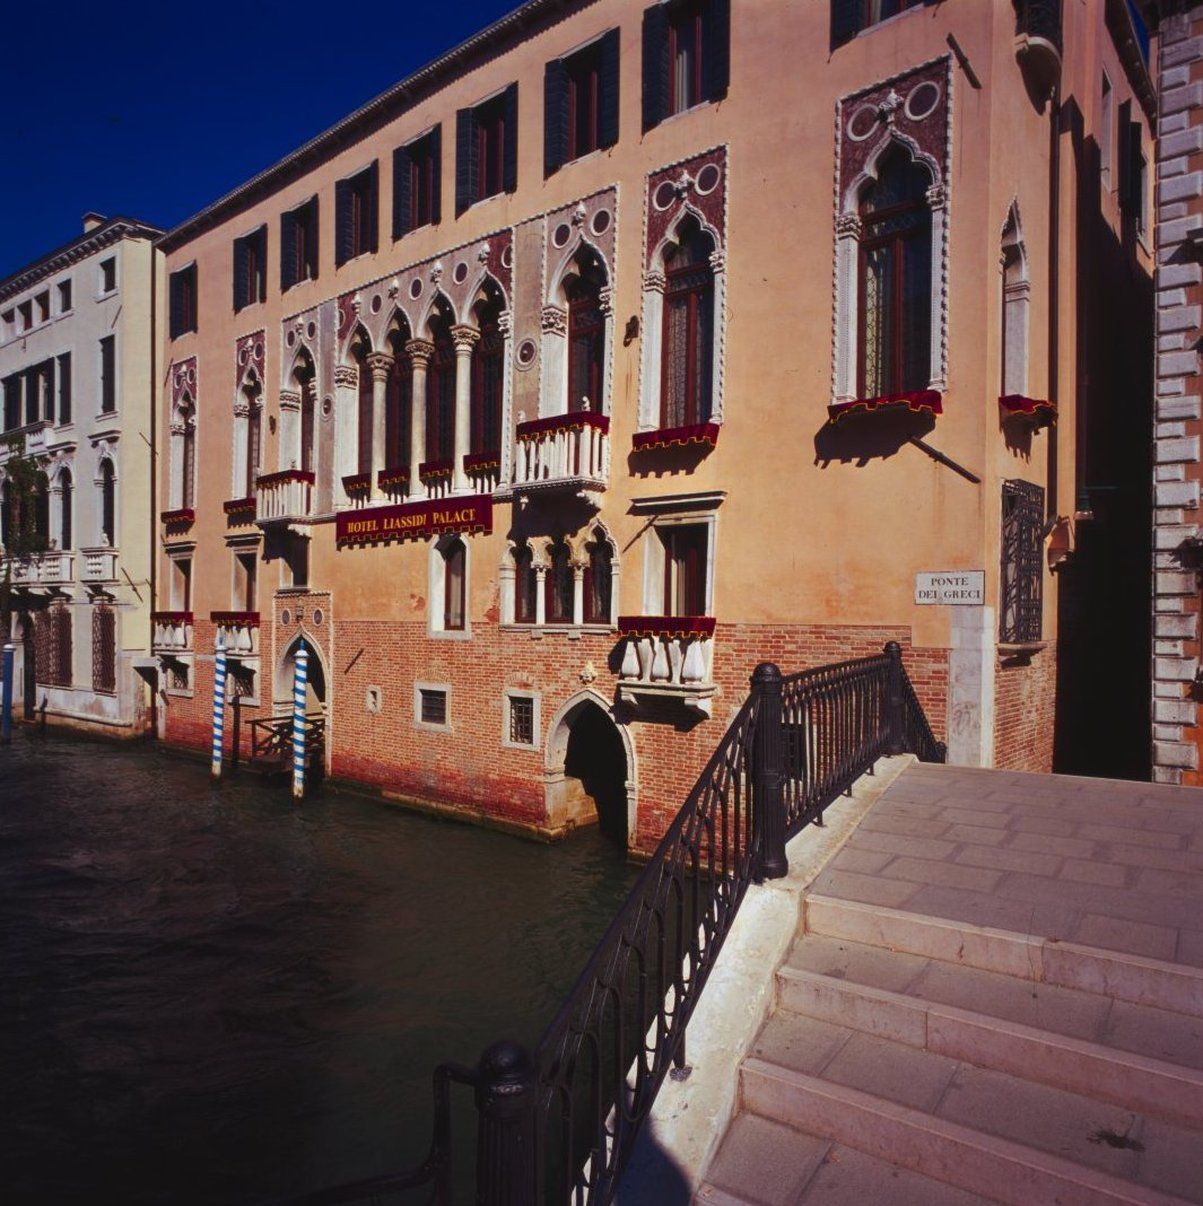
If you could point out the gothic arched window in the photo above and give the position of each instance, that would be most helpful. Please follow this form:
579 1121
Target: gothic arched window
687 357
599 580
487 379
397 402
526 586
108 498
586 333
440 391
364 459
558 587
895 278
187 444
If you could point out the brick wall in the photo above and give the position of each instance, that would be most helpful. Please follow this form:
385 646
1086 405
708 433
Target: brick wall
1025 698
469 769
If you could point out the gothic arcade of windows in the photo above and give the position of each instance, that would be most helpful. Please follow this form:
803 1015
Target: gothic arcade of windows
561 582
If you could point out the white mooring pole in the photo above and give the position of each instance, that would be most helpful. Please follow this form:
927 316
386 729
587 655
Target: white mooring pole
299 687
219 705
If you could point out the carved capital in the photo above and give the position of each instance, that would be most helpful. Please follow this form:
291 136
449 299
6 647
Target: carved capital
718 261
380 364
505 323
465 338
848 225
420 351
554 320
936 197
290 400
605 299
653 281
242 410
178 429
346 375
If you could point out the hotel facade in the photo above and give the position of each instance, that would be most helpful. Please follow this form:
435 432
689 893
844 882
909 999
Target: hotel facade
77 357
625 347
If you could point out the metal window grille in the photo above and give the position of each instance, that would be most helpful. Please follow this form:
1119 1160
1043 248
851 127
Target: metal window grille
1022 578
177 677
104 649
43 645
522 720
434 706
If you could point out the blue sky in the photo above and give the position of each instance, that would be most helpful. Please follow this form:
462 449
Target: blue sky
154 110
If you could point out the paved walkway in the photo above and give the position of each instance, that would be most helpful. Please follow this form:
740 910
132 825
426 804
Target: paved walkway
1106 863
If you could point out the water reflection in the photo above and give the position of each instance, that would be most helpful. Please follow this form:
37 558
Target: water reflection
212 995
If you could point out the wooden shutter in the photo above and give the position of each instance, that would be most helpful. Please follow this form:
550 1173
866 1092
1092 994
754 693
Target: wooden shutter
64 388
465 159
241 289
177 304
311 241
716 49
1133 174
373 206
555 116
436 168
845 21
655 66
342 222
402 193
288 250
607 122
509 174
1125 156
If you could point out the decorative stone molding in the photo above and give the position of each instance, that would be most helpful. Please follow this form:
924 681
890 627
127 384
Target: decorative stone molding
290 400
183 381
346 375
380 365
420 352
553 320
464 336
250 356
654 281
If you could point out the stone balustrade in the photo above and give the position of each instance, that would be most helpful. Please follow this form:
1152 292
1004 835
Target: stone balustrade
98 565
571 451
284 497
238 631
667 656
172 632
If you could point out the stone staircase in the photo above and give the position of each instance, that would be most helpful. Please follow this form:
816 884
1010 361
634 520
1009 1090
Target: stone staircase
917 1059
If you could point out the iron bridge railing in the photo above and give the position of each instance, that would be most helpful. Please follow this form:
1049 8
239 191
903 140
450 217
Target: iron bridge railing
558 1125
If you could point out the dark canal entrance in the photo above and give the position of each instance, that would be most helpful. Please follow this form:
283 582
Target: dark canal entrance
210 995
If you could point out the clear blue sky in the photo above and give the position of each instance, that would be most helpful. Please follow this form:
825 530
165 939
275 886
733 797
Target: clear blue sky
155 109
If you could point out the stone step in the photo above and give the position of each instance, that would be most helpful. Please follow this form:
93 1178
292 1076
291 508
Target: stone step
1172 986
763 1163
983 1131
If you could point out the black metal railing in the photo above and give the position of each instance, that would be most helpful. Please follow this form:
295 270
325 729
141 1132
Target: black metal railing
559 1126
1039 19
271 740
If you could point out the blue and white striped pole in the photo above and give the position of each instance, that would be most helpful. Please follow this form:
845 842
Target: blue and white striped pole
219 705
6 698
300 683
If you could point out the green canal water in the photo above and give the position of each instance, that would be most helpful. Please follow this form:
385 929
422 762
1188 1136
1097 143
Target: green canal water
211 995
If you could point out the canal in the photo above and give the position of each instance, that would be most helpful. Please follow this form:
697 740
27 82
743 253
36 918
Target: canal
211 995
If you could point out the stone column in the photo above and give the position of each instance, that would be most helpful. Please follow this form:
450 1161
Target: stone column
578 593
540 594
346 411
420 352
290 430
380 365
466 338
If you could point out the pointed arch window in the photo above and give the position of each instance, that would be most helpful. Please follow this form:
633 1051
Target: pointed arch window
397 402
66 502
108 502
487 380
688 337
895 278
558 586
526 586
364 426
304 376
599 581
440 392
586 334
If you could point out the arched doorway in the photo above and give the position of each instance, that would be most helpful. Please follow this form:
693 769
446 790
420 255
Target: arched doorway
315 690
590 769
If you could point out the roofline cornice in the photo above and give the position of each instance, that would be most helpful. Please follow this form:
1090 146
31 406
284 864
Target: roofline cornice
82 246
387 105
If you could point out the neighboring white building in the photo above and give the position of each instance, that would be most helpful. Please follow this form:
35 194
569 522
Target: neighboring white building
76 382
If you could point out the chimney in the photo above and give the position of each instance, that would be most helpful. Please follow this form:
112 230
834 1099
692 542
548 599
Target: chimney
92 221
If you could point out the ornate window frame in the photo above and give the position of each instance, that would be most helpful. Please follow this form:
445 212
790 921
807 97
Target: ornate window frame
912 110
437 580
578 561
185 396
248 396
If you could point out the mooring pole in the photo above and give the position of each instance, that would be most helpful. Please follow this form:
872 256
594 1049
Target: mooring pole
300 680
6 699
219 705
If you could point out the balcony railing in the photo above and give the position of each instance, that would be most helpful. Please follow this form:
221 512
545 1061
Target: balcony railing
284 497
48 568
1038 41
436 477
238 630
563 452
239 510
172 632
483 470
98 565
667 656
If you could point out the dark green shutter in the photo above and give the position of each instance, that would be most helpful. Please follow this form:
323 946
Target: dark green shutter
261 241
373 174
288 250
465 160
64 388
401 191
311 244
176 304
845 21
436 160
655 66
241 293
555 116
608 99
716 50
509 175
342 222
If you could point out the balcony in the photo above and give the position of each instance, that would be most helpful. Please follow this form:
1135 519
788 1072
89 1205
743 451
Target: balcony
1038 42
285 497
50 568
436 476
98 565
483 470
563 452
667 656
239 511
393 481
238 631
179 520
172 632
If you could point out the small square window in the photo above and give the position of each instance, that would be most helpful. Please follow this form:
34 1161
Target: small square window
64 296
108 275
432 706
522 719
177 677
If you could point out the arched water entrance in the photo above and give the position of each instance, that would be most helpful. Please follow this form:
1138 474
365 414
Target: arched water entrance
315 693
590 769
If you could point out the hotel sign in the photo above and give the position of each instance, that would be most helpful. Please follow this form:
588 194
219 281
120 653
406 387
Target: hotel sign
415 521
956 588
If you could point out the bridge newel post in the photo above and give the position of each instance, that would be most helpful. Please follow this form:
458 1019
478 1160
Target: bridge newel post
769 771
505 1134
895 720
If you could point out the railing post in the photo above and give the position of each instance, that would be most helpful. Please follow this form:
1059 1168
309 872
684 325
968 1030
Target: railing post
219 707
895 722
769 769
505 1135
6 701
